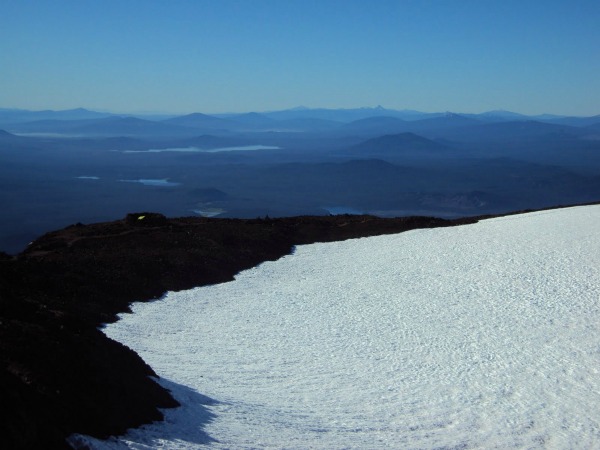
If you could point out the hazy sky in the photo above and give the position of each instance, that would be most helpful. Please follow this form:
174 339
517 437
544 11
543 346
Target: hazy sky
256 55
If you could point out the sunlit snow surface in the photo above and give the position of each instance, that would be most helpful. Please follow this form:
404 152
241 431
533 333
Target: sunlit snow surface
480 336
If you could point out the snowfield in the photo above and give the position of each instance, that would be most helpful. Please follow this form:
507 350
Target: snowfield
479 336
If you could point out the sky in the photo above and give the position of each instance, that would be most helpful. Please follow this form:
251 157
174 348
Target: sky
220 56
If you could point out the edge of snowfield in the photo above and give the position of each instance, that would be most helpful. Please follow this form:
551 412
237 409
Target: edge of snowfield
479 336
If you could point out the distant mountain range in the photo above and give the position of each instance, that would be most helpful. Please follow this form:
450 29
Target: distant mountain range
359 122
398 143
202 121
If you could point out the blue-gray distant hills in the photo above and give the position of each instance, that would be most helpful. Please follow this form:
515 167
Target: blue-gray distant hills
254 120
594 127
513 130
361 123
201 121
63 167
431 126
376 125
398 144
131 126
575 121
346 115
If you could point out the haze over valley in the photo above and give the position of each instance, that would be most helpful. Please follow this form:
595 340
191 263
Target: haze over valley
63 167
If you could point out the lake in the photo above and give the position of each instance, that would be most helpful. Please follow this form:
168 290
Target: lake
201 150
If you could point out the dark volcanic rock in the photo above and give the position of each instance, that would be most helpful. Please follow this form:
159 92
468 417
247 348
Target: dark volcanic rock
59 374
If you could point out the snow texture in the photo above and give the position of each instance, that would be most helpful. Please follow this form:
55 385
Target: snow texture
479 336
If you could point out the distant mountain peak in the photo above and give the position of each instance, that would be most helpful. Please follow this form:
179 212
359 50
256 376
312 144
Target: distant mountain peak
253 119
502 113
196 114
251 115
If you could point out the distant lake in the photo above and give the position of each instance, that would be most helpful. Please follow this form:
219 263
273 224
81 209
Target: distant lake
208 212
49 135
243 148
153 182
200 150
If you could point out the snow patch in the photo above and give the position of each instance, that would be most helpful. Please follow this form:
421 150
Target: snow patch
479 336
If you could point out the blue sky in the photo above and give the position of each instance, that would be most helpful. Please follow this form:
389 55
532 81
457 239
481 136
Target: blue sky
222 56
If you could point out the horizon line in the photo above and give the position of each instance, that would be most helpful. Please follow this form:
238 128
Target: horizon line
295 108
